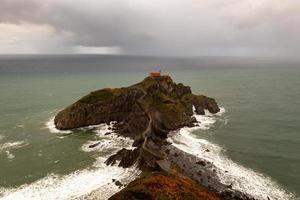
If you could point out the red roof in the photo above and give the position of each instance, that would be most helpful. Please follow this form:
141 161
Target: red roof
155 74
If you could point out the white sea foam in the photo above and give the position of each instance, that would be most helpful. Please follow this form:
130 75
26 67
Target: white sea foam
229 172
9 155
51 126
108 141
204 122
75 185
95 181
12 145
98 180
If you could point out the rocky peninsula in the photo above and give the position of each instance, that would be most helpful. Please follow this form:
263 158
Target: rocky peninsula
147 112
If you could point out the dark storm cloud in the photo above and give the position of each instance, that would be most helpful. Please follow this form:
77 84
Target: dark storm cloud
94 25
191 27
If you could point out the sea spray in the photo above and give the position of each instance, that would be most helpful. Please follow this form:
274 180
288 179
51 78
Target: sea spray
108 141
95 180
74 185
12 145
9 155
51 126
228 172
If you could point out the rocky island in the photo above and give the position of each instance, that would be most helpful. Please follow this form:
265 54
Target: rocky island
147 112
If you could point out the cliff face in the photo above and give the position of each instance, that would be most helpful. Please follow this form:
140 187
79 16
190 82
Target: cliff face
145 112
170 104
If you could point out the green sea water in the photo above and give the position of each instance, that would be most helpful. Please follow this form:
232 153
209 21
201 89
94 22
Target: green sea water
262 129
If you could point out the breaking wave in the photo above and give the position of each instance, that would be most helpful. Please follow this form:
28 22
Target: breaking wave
12 145
229 172
95 181
108 140
9 155
51 126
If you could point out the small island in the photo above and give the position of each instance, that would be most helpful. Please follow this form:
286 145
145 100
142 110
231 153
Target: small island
147 112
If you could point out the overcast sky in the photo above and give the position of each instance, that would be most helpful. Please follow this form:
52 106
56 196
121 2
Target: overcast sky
151 27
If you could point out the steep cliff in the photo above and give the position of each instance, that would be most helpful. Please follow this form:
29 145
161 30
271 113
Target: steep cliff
145 112
169 103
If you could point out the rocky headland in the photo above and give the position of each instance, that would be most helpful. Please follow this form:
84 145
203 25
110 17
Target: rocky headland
147 112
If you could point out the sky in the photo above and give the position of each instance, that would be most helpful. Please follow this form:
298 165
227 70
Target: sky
151 27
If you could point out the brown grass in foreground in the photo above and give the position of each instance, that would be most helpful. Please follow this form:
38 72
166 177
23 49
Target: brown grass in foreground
159 186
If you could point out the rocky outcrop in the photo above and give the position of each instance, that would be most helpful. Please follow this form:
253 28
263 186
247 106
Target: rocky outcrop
102 106
201 102
126 157
170 104
145 112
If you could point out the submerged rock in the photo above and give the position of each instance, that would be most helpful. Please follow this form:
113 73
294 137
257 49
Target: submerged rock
94 145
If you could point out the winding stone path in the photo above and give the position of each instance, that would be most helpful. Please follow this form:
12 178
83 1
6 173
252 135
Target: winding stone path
147 133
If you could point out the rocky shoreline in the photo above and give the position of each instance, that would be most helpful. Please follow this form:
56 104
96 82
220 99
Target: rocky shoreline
148 112
204 173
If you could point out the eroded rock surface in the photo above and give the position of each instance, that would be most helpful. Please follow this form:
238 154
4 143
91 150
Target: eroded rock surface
145 112
170 104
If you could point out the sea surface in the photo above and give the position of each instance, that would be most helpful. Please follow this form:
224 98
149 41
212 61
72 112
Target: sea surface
255 139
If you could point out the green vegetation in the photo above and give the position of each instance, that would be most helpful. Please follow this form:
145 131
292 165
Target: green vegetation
101 95
146 110
170 103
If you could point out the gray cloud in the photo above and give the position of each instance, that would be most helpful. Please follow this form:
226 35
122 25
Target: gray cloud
169 27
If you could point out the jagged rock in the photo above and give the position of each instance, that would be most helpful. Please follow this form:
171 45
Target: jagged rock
138 142
94 145
145 112
118 183
170 104
201 103
201 162
231 194
126 157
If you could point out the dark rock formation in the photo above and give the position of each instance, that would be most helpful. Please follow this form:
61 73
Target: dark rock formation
204 173
146 112
126 157
94 145
170 105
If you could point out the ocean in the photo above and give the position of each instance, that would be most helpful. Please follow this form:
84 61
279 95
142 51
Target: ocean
255 139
